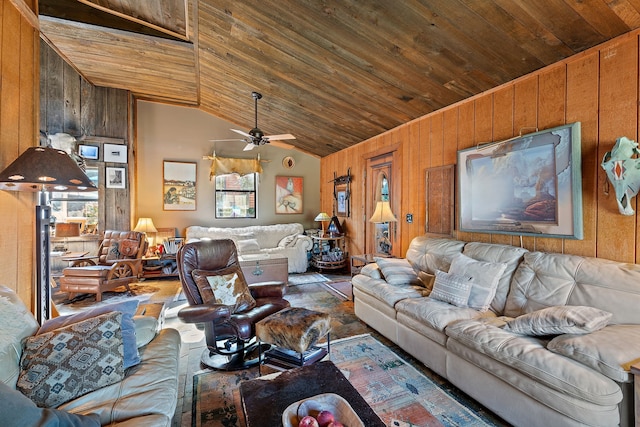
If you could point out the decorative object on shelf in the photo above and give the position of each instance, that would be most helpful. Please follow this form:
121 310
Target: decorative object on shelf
342 194
289 194
383 215
44 169
322 217
179 186
335 229
288 162
528 185
116 177
145 225
623 172
115 153
172 244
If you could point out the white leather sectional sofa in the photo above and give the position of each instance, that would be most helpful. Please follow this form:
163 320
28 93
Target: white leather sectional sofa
278 240
555 379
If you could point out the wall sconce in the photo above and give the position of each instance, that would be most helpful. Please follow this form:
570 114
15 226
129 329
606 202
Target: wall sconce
322 218
41 170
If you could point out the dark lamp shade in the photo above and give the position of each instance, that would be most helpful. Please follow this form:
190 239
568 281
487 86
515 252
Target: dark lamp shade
46 169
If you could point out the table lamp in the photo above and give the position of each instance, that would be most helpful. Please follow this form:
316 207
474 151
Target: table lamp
41 170
145 225
383 213
322 218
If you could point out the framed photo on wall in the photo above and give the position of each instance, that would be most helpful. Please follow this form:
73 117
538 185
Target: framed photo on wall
342 201
115 153
179 186
289 194
116 177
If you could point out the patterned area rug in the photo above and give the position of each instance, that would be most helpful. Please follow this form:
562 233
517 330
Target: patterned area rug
304 278
400 394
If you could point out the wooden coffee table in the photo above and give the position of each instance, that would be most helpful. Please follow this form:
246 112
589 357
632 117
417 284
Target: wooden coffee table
264 400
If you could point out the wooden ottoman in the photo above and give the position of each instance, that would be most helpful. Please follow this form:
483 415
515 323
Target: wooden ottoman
294 332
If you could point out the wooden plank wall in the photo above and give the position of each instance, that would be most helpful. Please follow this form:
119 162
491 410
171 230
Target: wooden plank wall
70 104
18 131
598 88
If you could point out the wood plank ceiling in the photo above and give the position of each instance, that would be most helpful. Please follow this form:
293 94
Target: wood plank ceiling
332 72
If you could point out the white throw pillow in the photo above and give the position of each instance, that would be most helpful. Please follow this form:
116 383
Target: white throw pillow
397 271
452 288
485 275
288 241
556 320
248 246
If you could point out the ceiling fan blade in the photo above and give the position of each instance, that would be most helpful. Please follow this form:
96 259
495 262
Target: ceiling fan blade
281 145
225 140
243 133
279 137
250 146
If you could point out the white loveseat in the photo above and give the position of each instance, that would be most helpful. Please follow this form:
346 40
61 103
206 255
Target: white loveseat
556 379
285 240
145 397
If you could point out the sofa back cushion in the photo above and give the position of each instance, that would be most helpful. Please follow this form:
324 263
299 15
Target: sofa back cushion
429 254
17 323
545 280
495 253
267 236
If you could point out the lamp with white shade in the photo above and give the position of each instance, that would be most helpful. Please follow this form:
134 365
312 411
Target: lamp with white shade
322 217
145 225
383 215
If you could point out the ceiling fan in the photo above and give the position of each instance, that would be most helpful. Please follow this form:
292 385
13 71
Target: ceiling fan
255 137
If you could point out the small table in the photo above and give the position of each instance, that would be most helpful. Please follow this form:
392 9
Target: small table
264 400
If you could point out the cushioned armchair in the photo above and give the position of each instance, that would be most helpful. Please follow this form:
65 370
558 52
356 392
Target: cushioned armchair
119 262
221 301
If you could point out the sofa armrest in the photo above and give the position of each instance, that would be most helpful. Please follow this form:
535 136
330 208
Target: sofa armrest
268 289
205 313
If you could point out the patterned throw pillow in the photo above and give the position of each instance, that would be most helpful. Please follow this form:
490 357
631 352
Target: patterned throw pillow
226 286
485 275
128 248
69 362
114 251
556 320
397 271
451 288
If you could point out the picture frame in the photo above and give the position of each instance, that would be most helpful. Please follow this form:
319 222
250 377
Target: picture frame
115 153
529 185
440 197
179 181
89 152
289 194
342 201
116 177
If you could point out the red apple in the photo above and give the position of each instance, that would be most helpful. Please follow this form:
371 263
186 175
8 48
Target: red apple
335 424
325 418
308 421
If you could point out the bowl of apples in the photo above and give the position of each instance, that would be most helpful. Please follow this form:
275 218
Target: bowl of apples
323 410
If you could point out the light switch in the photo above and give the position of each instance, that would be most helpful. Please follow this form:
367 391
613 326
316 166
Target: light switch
409 218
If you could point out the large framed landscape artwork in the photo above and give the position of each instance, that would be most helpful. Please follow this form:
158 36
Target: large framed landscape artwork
529 185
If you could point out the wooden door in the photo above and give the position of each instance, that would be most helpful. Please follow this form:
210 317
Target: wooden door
381 238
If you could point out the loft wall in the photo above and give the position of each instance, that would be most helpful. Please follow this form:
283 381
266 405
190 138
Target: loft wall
19 42
598 88
69 104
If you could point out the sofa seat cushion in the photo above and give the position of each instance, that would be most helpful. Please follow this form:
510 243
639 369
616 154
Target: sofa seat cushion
557 320
437 314
610 351
529 356
389 294
150 387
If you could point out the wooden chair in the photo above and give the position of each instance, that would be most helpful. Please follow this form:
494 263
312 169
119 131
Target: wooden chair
118 263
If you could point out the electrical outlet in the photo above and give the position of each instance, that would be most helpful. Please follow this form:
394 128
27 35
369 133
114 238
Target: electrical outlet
409 218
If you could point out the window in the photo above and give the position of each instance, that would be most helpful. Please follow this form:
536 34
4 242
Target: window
78 207
236 196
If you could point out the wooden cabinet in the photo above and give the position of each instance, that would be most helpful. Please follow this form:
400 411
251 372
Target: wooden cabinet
329 253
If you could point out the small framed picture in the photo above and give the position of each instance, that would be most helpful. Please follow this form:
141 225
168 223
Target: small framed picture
89 152
115 153
116 178
342 201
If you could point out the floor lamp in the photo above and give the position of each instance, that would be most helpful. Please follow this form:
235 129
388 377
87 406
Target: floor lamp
42 170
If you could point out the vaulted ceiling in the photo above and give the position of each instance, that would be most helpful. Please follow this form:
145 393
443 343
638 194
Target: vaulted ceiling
332 72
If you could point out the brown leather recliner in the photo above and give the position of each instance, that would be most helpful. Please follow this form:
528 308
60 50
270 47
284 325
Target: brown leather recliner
230 336
119 262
